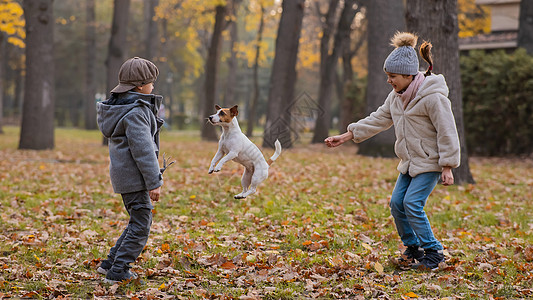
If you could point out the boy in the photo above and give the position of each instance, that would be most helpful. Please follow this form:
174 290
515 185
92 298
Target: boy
129 120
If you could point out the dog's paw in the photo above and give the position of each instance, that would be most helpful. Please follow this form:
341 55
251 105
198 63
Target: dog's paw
210 171
239 196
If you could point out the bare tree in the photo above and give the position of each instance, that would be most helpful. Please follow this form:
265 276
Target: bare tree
229 94
525 29
37 130
3 48
151 28
384 19
252 109
283 76
90 80
117 42
436 21
329 65
211 69
347 105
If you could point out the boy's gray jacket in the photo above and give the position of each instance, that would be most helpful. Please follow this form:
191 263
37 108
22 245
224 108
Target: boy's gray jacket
133 132
426 134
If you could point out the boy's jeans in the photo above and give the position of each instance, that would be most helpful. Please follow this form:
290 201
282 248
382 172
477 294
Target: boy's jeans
133 239
407 207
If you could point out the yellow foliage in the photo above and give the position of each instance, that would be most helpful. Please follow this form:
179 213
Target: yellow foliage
473 19
12 16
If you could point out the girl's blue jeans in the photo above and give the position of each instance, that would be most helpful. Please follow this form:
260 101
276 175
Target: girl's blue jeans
407 207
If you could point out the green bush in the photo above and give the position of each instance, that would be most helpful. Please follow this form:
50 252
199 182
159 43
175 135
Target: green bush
498 102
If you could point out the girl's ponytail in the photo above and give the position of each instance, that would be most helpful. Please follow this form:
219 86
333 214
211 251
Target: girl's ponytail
425 51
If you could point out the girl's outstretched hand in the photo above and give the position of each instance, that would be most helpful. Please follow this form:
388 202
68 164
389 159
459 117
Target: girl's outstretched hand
447 176
337 140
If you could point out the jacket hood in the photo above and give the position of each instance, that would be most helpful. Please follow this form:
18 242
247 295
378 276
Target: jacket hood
433 84
111 111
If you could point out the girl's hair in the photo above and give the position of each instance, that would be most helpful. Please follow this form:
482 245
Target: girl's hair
425 52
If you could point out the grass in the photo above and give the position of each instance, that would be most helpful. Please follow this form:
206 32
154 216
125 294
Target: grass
319 227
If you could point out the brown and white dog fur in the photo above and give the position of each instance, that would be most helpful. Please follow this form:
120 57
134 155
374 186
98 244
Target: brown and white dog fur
234 145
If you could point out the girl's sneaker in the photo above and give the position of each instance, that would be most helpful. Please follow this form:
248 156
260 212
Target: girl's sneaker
113 277
410 256
104 267
431 260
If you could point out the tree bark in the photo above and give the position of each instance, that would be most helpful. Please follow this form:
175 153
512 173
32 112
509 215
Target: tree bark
229 95
211 69
37 130
384 20
342 40
436 21
151 39
90 80
525 29
346 103
252 110
3 48
327 68
117 42
283 76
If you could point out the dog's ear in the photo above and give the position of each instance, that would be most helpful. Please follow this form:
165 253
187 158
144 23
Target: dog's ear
234 111
217 107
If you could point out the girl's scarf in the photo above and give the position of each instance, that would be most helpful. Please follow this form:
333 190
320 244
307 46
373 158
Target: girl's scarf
412 89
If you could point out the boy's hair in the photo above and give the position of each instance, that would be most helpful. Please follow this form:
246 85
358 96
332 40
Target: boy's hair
135 72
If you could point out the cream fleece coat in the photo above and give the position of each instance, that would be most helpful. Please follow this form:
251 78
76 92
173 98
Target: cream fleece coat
426 135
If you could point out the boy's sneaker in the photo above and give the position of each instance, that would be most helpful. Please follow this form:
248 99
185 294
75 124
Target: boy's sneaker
113 277
431 260
104 267
409 257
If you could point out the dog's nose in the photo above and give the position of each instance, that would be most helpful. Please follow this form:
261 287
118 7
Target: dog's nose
210 118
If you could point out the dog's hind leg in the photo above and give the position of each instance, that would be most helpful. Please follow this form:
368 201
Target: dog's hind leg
257 178
246 180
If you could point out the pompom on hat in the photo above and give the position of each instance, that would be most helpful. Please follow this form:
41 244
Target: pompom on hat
402 60
135 72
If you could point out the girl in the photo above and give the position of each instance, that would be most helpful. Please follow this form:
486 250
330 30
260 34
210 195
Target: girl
427 144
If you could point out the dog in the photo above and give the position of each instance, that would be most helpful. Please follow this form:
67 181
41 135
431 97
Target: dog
234 145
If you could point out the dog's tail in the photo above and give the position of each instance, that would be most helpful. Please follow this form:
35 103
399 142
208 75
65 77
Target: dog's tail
276 154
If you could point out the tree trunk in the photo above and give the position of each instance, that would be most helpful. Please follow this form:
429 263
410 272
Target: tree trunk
252 109
229 95
384 20
3 44
327 68
90 80
37 130
117 42
151 29
283 76
525 29
342 40
347 105
211 69
436 21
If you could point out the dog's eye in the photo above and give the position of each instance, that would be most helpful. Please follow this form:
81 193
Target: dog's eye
222 113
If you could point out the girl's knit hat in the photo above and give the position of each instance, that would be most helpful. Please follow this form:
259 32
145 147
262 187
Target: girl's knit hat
402 60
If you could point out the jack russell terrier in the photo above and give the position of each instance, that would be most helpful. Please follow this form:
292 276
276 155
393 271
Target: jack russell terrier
234 145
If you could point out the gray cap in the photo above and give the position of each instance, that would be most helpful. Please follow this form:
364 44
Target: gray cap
402 60
135 72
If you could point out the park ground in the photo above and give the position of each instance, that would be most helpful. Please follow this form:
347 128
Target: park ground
319 227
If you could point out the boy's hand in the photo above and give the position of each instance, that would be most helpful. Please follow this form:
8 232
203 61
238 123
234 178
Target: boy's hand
447 176
154 194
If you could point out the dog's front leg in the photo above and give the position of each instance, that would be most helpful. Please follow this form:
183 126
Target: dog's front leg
231 155
216 158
